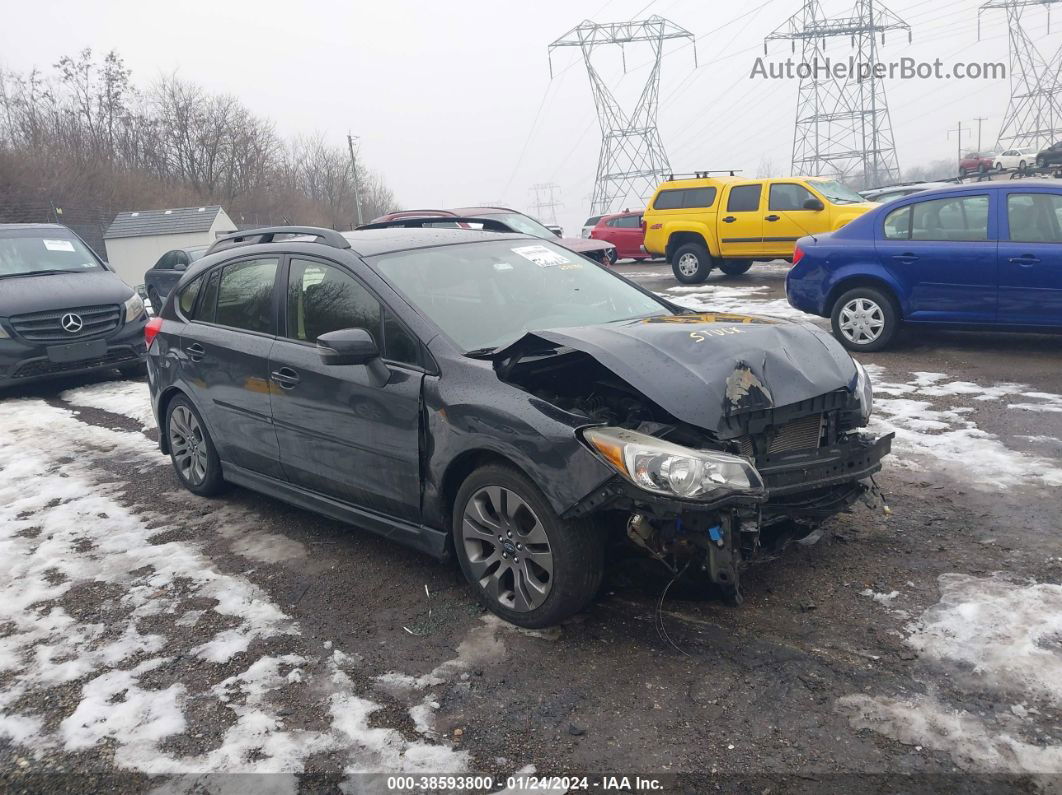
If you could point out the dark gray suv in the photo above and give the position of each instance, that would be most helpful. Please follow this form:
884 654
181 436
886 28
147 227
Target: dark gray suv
62 310
499 398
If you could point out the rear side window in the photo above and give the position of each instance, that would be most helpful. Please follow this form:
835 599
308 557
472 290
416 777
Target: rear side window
744 199
1035 217
245 295
592 220
627 222
684 199
898 224
186 300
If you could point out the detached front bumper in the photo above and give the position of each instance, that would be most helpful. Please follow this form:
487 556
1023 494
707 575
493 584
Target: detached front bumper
23 362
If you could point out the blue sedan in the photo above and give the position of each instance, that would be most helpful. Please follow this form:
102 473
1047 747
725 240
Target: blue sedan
985 254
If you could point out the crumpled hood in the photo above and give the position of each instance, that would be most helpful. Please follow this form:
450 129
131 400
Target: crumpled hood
24 294
704 368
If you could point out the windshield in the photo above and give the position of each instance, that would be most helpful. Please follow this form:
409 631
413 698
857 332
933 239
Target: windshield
488 295
522 223
24 255
836 192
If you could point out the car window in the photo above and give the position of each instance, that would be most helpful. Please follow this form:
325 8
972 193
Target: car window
744 199
488 294
245 295
786 196
1034 217
963 218
188 294
628 222
165 262
179 258
592 220
204 309
43 251
669 200
898 224
698 197
323 298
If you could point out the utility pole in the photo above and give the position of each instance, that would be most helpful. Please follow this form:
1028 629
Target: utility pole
354 174
979 120
959 131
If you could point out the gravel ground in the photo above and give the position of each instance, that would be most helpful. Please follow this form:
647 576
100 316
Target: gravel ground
150 640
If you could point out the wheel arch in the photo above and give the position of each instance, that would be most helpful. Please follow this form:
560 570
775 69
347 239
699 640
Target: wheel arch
847 283
458 470
680 238
165 399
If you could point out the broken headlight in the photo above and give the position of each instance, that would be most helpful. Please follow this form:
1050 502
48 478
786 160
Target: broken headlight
670 469
864 391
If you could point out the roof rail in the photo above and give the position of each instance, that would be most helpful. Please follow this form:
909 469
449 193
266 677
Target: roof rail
267 234
440 221
733 172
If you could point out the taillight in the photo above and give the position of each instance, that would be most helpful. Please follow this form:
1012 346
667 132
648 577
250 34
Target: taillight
152 329
798 254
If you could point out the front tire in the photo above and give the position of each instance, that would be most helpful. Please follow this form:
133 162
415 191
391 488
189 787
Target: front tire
691 263
865 319
524 563
999 166
195 459
735 267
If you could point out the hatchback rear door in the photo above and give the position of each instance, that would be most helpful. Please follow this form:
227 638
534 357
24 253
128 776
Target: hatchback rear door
1030 258
343 433
224 355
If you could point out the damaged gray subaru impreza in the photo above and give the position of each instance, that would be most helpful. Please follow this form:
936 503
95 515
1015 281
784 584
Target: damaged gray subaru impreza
503 400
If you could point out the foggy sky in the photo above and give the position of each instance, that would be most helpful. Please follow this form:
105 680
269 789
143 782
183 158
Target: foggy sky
443 94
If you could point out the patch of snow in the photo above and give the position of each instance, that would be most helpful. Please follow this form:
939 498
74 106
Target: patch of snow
85 537
992 636
128 398
735 300
881 598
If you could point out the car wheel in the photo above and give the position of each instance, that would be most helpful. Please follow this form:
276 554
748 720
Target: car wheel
982 168
692 263
999 166
865 319
611 256
192 451
735 267
1040 162
524 563
1021 165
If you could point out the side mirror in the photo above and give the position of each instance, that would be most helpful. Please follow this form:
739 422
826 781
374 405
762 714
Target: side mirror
353 346
181 266
814 204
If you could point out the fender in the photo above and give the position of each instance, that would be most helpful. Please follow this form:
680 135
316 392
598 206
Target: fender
861 273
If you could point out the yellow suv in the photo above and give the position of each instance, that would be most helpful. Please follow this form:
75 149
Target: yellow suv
729 222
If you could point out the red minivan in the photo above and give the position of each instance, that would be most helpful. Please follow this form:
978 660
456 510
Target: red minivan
623 230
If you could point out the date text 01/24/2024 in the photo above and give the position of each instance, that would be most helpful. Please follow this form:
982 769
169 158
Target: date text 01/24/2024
523 783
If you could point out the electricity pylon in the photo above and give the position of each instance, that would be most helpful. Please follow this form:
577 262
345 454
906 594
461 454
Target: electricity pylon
545 200
842 127
1034 113
632 158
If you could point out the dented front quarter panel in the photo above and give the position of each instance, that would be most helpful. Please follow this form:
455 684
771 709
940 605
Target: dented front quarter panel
478 414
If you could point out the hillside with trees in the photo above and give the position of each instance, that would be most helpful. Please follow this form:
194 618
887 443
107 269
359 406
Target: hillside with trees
82 142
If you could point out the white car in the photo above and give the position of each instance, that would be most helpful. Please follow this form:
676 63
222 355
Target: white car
890 192
1016 158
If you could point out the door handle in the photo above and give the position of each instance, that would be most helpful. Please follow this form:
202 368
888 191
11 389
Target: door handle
905 257
285 377
772 218
1025 260
195 352
729 219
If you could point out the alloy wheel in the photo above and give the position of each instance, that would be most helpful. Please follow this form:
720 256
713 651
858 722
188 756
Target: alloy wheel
507 548
688 264
861 321
188 445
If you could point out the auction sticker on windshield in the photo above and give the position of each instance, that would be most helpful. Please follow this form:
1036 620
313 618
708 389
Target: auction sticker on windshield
542 256
59 245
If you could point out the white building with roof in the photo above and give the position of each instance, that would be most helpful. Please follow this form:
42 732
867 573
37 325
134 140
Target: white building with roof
135 240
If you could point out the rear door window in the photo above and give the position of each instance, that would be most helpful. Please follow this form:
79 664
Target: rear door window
744 199
960 219
1035 217
245 295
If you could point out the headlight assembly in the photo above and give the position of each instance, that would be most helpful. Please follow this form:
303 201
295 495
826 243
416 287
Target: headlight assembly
864 391
672 470
134 308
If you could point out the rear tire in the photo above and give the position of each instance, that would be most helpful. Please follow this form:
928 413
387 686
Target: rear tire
523 562
195 460
865 319
999 166
735 267
691 263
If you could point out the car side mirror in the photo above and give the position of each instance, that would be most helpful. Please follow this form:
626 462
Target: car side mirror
181 266
814 204
353 346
